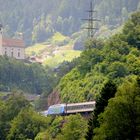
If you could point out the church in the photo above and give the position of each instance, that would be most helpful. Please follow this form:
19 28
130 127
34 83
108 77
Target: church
11 47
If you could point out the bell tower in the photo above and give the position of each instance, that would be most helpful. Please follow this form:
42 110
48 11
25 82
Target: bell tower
1 32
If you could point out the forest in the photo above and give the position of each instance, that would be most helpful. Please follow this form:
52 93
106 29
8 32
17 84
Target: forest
39 20
115 59
107 71
30 78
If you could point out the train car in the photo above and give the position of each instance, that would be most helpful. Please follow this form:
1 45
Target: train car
57 109
80 107
72 108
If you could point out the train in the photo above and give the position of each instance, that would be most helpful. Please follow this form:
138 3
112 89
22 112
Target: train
72 108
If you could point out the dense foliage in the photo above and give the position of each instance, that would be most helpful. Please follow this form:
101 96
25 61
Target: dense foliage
39 20
121 118
31 122
31 78
18 120
71 127
117 118
9 109
114 59
107 92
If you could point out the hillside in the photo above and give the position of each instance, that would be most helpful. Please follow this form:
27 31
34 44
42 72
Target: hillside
115 59
53 52
30 78
39 20
106 72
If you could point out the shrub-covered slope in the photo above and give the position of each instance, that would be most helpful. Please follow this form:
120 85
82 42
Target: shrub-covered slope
114 59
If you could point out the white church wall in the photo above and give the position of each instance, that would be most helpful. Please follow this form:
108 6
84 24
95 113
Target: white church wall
18 53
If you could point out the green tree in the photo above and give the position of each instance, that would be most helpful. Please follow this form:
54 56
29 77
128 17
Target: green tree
121 119
53 130
9 110
124 14
3 125
74 128
31 78
113 59
117 69
93 43
107 92
59 24
43 136
15 103
133 35
138 6
27 125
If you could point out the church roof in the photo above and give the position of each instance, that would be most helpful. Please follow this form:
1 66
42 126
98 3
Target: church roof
7 42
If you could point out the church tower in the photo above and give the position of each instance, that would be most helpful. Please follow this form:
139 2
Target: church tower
1 31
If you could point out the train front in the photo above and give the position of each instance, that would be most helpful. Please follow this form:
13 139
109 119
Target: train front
58 109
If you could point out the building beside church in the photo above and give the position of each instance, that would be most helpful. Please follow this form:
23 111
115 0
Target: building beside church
11 47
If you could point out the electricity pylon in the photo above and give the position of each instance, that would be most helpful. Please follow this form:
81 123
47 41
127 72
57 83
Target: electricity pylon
91 21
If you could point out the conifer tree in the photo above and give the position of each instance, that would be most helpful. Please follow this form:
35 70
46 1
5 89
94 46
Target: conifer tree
107 92
121 118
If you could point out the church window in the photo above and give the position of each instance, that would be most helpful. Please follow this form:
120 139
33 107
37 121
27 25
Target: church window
18 54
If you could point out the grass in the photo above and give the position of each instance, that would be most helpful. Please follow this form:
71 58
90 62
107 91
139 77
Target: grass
63 55
35 49
58 37
57 56
57 49
39 48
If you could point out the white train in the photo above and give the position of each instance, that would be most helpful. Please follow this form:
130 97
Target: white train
72 108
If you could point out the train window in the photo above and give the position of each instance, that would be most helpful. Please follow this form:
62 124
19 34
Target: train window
72 107
78 107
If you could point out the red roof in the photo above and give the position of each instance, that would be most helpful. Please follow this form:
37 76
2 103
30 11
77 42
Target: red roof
6 42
